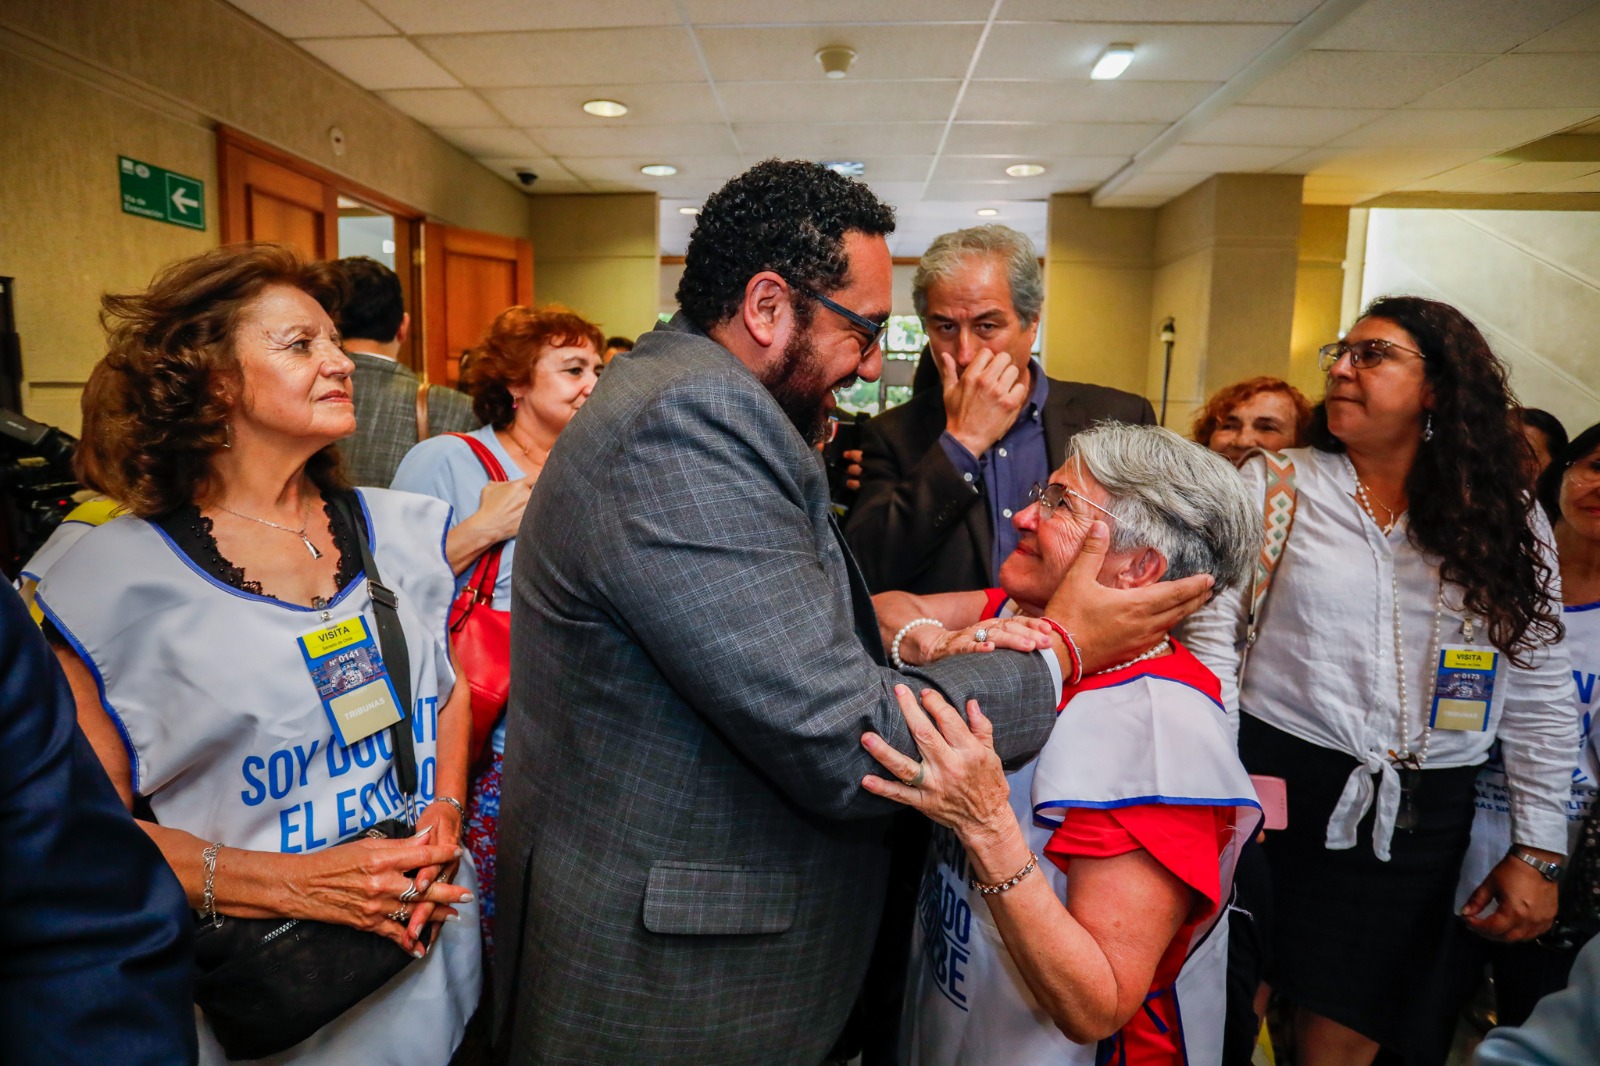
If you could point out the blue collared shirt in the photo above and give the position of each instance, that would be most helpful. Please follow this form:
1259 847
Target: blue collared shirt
1009 468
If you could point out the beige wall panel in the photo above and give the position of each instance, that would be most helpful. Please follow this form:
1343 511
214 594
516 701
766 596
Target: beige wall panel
1252 310
599 255
1097 293
208 56
1318 293
1180 290
63 234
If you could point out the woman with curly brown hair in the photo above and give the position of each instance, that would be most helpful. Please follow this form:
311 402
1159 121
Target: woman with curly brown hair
1410 623
531 374
1262 412
192 631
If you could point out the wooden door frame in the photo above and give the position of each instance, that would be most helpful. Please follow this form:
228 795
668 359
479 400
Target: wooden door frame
407 230
438 239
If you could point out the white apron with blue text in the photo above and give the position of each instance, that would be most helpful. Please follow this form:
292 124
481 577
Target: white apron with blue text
228 740
1149 740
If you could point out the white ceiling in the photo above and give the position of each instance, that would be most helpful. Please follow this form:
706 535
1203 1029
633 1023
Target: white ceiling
1364 97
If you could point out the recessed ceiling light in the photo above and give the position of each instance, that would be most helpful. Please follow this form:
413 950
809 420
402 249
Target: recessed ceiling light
1025 170
688 210
988 212
848 168
605 108
836 60
659 170
1112 62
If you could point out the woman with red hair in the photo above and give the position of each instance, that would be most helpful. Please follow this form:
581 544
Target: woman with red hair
1262 412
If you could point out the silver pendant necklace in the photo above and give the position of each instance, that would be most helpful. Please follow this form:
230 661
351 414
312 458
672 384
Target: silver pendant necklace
301 532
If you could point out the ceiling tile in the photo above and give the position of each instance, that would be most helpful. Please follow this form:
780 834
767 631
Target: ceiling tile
787 12
1160 10
498 16
380 62
1306 127
1374 167
659 105
1060 139
316 18
1007 189
1218 159
1119 199
788 53
445 108
893 168
1357 79
716 169
1414 128
1588 183
566 57
1554 79
671 143
1067 50
495 141
1580 33
550 172
993 168
1449 179
842 101
1417 26
1098 101
837 141
1528 177
1167 185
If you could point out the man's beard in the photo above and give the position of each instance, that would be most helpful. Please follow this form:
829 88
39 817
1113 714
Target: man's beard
797 383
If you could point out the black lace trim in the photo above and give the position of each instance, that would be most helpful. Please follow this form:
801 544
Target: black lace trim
192 532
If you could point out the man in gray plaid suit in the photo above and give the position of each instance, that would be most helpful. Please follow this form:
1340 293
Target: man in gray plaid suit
372 326
690 871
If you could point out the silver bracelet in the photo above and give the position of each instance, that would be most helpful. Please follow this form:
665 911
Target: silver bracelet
454 803
1010 882
894 647
208 902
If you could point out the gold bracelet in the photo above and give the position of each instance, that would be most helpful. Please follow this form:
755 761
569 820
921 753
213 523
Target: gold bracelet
1010 882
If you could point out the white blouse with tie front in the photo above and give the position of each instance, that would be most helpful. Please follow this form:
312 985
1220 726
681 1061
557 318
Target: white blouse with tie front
1323 665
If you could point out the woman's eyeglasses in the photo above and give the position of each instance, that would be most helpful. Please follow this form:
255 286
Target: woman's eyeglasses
1364 355
1053 495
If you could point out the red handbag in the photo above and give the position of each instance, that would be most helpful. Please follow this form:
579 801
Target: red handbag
480 634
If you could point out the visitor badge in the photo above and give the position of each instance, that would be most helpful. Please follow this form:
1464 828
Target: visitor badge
1464 687
347 668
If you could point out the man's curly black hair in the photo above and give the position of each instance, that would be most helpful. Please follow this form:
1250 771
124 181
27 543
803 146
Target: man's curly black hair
787 216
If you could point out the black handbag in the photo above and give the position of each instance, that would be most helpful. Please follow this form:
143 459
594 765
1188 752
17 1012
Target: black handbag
265 984
1578 918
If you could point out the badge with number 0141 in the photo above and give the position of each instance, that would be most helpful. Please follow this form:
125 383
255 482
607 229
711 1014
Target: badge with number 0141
352 682
1464 687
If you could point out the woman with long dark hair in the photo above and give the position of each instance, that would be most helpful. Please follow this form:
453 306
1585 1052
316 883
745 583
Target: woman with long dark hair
1410 623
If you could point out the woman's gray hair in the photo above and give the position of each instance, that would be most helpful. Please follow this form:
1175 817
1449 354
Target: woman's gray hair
1170 494
949 250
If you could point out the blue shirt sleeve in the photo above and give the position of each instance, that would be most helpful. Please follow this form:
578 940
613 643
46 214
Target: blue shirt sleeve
446 469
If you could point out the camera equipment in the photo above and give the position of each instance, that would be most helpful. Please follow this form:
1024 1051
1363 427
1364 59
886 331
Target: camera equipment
36 486
527 177
846 436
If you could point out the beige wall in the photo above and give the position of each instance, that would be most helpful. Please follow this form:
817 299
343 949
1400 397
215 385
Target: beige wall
599 255
86 80
1097 293
1226 253
1318 292
1530 280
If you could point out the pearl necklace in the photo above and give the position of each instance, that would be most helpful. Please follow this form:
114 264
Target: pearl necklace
1160 649
1367 502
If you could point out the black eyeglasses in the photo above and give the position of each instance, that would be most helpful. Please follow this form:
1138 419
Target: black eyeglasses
1364 355
873 330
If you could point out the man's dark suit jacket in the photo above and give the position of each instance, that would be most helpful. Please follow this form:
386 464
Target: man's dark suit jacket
385 394
689 869
916 524
96 958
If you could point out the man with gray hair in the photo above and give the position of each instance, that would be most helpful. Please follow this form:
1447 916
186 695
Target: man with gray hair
943 474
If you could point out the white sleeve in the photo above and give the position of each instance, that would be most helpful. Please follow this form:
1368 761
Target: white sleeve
1538 730
1215 633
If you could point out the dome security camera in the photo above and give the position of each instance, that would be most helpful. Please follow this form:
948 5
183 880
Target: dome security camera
527 177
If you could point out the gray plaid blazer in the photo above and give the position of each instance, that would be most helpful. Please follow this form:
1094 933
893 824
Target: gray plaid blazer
385 394
689 869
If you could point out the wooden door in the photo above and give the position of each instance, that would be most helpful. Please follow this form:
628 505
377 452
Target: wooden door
468 278
263 200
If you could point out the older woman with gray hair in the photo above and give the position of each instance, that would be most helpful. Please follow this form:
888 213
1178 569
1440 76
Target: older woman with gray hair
1138 789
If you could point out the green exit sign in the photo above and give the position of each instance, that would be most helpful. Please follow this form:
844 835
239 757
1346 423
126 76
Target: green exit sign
155 192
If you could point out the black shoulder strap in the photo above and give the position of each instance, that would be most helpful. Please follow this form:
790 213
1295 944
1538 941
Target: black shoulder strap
391 643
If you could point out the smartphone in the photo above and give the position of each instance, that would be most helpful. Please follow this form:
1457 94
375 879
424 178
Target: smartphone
846 437
1273 792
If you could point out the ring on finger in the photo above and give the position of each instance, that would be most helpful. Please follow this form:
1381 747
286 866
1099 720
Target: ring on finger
980 634
916 779
401 915
410 895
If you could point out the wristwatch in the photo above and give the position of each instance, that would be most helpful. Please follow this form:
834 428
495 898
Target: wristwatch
1550 871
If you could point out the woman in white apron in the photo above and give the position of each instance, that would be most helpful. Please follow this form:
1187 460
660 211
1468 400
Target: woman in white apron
192 630
1073 911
